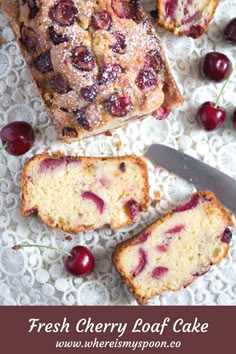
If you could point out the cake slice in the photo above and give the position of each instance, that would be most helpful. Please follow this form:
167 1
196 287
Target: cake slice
76 194
186 17
176 249
97 64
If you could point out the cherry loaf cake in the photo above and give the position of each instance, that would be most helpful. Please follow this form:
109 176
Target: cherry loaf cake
97 64
176 249
76 194
186 17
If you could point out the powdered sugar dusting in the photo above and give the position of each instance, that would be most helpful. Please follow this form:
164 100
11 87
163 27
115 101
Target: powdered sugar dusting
139 38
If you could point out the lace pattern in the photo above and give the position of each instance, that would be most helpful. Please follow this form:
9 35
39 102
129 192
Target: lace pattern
37 277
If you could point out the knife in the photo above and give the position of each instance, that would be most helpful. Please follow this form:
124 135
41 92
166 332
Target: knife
203 176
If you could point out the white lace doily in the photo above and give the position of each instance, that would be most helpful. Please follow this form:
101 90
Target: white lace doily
37 277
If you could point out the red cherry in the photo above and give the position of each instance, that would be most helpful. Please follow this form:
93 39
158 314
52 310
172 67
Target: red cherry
57 38
28 38
216 67
210 117
81 262
17 137
227 236
98 202
230 31
60 84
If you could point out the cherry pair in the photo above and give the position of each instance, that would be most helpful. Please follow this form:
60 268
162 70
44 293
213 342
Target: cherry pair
217 67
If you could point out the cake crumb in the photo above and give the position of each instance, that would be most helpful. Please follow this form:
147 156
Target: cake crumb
68 238
157 194
108 133
157 200
118 144
46 149
2 40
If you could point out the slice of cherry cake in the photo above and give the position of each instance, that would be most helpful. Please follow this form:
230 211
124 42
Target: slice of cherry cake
97 64
176 249
76 194
186 17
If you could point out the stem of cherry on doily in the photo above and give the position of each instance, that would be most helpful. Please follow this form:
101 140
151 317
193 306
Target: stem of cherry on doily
222 90
17 247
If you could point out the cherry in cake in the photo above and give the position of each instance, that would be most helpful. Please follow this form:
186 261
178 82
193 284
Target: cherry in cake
186 17
234 117
57 38
64 12
125 9
209 116
43 62
101 20
28 38
83 58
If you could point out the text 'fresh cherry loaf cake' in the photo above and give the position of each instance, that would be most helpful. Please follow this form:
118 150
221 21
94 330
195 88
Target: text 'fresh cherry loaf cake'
186 17
97 64
176 249
76 194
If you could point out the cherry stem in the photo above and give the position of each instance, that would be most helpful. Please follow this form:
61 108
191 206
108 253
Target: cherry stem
17 247
3 148
222 90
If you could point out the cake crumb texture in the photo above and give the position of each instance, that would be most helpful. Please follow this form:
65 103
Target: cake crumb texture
76 194
96 64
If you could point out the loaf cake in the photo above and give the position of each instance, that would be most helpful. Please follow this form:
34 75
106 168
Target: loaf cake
76 194
186 17
176 249
97 64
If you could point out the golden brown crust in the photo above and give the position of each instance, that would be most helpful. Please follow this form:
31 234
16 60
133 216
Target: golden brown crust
175 30
62 119
134 240
49 222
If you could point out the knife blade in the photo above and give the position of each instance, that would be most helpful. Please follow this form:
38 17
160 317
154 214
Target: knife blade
203 176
